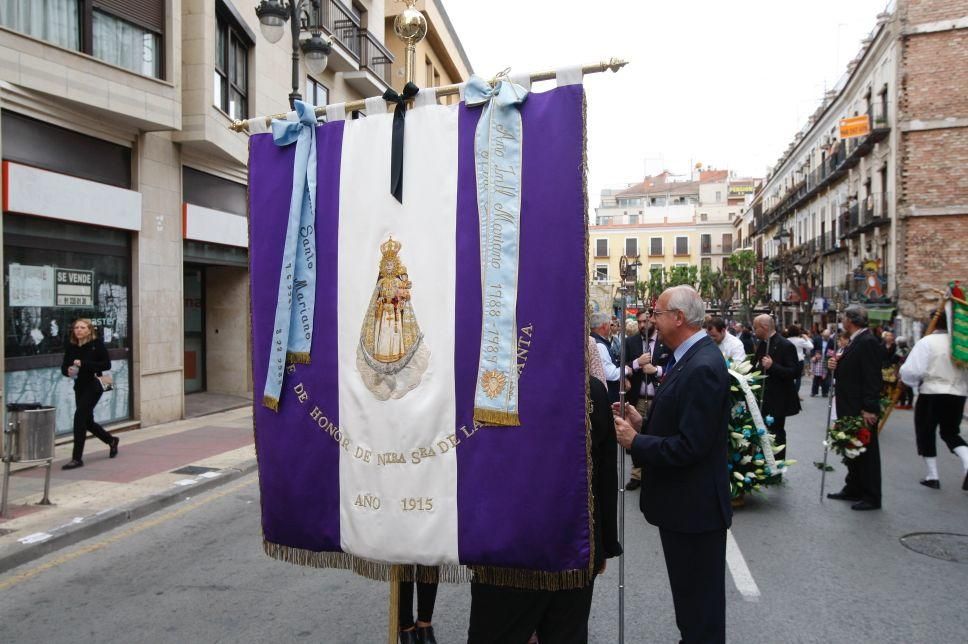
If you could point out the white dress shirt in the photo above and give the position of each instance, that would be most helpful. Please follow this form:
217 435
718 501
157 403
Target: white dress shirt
732 348
928 368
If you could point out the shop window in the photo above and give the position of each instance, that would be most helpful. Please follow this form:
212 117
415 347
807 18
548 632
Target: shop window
58 272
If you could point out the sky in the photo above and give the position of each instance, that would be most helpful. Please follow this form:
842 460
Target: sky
725 84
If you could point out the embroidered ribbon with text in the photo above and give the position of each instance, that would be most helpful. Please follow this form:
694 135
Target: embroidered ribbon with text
292 333
497 159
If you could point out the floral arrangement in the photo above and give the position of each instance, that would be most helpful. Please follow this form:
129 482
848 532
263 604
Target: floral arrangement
751 445
848 437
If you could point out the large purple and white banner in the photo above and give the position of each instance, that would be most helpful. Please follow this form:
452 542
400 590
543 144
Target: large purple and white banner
373 457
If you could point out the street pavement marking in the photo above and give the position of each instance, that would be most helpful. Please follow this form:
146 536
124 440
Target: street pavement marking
742 577
141 527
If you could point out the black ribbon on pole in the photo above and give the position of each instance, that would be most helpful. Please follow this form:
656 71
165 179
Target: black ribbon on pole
399 114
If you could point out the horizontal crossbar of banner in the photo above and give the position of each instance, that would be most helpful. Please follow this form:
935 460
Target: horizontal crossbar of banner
613 64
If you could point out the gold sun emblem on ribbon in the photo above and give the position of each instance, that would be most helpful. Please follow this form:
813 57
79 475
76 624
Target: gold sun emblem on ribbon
493 383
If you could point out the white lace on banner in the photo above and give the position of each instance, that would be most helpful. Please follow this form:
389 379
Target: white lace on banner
258 126
522 79
765 443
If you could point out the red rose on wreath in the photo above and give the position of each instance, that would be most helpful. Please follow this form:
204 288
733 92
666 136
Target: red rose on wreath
864 435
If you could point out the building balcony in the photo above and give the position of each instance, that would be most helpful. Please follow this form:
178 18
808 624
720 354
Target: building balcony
843 156
656 253
373 77
706 249
874 212
343 27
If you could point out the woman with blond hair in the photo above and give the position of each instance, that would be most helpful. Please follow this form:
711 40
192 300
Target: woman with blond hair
85 357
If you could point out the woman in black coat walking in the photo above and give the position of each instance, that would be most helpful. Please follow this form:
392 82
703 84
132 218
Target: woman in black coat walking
85 357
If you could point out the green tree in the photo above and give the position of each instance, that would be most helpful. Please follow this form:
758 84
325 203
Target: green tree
683 275
656 283
741 266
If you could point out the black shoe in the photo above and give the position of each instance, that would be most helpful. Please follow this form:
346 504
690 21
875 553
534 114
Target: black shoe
633 484
865 505
934 484
408 637
842 496
425 635
114 447
72 465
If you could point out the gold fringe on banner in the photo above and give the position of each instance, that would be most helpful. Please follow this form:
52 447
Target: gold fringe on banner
588 394
271 403
494 417
297 357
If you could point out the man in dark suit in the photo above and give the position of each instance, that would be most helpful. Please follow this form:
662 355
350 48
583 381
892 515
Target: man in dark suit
649 355
685 489
746 337
857 389
777 359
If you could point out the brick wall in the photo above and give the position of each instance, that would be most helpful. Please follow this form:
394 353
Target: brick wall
935 75
921 11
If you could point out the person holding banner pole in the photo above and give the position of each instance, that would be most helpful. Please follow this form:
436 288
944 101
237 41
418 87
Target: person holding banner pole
682 448
512 615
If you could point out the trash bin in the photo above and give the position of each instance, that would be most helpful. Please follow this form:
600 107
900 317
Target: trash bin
31 428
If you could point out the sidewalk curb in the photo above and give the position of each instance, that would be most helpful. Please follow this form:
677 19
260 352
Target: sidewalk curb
106 520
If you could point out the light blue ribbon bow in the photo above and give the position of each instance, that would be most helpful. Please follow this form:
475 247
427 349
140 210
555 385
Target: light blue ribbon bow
292 333
497 159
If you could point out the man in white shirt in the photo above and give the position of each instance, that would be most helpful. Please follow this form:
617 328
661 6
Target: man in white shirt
729 345
599 324
942 390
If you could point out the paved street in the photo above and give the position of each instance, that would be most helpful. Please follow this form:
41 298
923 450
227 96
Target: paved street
195 572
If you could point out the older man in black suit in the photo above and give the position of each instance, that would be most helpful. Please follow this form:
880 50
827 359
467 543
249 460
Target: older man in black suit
777 358
685 489
857 389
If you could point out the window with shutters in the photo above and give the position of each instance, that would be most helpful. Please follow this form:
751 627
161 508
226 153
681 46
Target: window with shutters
727 243
601 248
682 245
705 244
126 33
631 247
601 272
655 247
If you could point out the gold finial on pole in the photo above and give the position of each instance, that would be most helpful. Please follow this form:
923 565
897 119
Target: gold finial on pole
410 26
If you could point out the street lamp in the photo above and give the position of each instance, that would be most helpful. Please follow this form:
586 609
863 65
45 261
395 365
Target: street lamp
273 15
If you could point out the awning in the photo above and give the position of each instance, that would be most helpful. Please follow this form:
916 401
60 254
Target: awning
881 315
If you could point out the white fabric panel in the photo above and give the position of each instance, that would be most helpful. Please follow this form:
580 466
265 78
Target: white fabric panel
215 226
460 90
292 116
569 76
375 105
258 126
522 79
31 191
426 96
336 112
425 225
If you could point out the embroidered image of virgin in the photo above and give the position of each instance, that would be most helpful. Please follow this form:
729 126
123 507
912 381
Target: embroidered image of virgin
392 355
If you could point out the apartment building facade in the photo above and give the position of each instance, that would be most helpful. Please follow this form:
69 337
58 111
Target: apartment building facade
124 191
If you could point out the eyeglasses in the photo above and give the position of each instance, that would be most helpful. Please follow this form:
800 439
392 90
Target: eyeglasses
657 312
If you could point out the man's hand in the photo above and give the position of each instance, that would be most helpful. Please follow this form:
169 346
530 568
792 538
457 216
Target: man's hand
869 418
632 415
650 369
644 359
624 433
832 364
766 362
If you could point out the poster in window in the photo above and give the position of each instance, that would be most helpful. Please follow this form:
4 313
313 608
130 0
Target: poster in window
31 285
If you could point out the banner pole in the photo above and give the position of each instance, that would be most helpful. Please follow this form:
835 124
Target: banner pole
613 64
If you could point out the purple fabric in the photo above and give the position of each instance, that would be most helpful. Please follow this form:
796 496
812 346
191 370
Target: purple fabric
523 491
298 461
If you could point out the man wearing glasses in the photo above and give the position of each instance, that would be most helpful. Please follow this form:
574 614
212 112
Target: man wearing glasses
682 449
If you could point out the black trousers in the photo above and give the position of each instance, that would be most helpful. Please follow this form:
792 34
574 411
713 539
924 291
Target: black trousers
778 428
697 575
501 615
820 384
84 419
932 411
426 598
864 472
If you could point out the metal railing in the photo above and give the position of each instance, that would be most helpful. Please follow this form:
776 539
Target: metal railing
376 57
338 22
